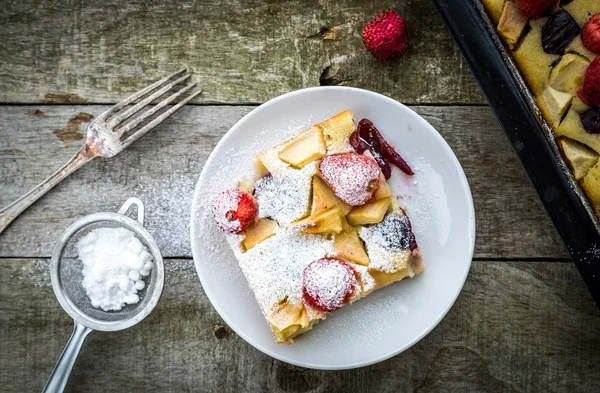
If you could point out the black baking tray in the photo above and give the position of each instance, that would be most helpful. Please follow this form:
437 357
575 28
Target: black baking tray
528 134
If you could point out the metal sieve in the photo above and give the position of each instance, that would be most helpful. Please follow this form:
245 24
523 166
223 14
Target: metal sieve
67 277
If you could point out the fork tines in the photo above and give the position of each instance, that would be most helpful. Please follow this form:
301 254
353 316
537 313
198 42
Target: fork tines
114 117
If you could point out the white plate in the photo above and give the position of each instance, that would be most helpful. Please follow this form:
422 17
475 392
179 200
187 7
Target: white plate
439 204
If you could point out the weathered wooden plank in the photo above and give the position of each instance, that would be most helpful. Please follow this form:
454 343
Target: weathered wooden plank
516 327
243 51
163 168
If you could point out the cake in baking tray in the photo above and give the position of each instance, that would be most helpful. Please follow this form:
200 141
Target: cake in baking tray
555 45
317 227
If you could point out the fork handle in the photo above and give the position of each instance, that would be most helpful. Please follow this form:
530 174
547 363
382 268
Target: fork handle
10 212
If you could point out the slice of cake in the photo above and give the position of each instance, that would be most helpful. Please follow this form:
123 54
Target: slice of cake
318 227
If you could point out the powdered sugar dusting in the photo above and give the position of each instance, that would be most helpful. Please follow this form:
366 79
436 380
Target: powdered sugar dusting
274 268
393 232
350 176
36 273
388 243
377 316
429 208
172 197
225 206
367 281
275 166
284 195
384 260
285 199
328 283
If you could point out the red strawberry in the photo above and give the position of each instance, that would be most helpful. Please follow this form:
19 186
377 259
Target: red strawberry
233 211
591 34
533 8
352 177
328 284
385 36
591 83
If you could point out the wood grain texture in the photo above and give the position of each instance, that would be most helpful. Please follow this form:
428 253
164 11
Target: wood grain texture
242 51
162 169
516 327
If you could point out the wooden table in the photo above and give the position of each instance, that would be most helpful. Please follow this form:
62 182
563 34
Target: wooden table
524 321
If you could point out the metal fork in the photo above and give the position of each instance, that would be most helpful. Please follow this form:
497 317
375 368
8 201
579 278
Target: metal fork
105 140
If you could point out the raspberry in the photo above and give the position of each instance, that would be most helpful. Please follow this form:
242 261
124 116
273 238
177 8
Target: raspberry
591 34
233 211
352 177
328 284
591 83
533 8
386 36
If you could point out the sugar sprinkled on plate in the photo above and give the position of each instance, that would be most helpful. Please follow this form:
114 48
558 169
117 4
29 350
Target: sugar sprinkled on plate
429 210
371 321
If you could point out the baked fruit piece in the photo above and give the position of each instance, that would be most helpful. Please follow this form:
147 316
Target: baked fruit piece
555 46
325 230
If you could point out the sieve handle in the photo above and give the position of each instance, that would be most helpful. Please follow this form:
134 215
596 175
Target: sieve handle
60 375
140 208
